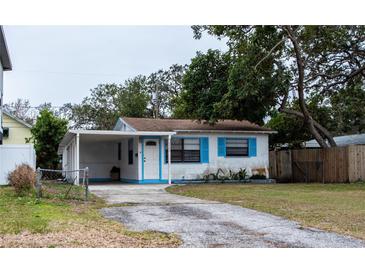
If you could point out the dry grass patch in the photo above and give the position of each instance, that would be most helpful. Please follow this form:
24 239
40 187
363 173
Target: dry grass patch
58 222
333 207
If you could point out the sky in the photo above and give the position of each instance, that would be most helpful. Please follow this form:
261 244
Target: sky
61 64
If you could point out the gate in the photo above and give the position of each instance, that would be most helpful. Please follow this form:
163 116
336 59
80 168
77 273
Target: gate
308 171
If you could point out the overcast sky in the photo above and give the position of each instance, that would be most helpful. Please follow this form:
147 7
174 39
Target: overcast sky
62 64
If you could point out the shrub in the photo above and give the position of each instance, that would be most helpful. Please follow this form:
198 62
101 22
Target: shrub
258 176
220 175
22 178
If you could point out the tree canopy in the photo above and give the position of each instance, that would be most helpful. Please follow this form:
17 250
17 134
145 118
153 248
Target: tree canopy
142 96
273 65
47 133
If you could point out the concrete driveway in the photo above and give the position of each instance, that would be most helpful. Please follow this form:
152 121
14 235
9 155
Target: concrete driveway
202 223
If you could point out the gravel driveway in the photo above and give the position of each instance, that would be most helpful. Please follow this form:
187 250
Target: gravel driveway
202 223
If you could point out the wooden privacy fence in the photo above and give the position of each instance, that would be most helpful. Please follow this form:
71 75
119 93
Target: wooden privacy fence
327 165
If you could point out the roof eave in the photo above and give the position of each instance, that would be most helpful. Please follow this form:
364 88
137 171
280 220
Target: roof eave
4 53
17 119
71 133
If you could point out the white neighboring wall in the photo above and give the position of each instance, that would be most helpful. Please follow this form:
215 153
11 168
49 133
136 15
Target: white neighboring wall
14 155
191 171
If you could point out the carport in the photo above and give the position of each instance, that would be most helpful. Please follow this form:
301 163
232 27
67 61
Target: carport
138 154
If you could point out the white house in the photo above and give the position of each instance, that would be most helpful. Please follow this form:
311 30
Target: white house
166 150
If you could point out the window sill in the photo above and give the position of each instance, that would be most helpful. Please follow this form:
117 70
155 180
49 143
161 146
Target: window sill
173 163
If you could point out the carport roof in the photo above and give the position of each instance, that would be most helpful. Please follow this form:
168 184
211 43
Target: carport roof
107 135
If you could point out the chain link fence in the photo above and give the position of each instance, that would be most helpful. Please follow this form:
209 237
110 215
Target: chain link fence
69 184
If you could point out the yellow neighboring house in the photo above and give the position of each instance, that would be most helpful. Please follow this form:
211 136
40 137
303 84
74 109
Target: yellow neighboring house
15 130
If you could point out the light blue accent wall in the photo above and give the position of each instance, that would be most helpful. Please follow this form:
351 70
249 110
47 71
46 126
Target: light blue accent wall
252 147
221 147
204 149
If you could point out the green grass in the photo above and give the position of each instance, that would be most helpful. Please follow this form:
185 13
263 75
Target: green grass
54 215
333 207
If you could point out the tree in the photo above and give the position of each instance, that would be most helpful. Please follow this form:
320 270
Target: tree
305 60
47 133
107 103
347 108
141 96
164 88
133 98
204 84
21 109
291 130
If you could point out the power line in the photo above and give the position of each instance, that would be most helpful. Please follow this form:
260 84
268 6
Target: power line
71 73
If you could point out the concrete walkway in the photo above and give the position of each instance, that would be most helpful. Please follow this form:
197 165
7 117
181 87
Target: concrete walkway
202 223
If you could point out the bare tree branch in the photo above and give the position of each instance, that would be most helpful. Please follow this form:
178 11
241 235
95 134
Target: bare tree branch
300 88
269 53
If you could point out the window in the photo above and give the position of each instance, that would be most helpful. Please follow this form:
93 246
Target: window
5 132
119 151
151 143
130 151
236 147
184 150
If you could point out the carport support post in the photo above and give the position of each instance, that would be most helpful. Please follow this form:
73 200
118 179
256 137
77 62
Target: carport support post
77 167
169 159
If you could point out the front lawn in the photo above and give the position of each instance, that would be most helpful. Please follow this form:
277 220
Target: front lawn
334 207
55 221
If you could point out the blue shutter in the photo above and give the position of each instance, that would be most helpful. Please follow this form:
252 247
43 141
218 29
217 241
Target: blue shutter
221 147
204 150
252 150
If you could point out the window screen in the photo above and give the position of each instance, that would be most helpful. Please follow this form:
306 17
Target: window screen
5 132
236 147
119 151
130 151
184 150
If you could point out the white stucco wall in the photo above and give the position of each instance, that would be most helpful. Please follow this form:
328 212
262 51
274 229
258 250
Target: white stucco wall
190 171
127 171
100 157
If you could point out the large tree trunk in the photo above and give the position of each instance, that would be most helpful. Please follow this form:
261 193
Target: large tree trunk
317 125
308 120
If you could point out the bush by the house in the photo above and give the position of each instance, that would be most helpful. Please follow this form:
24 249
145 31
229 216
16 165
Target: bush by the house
258 176
23 179
222 176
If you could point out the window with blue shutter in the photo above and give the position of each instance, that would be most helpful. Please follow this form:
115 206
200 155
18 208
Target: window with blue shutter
252 148
184 150
221 147
236 147
204 150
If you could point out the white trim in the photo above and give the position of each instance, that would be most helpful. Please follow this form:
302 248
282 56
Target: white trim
71 133
77 166
169 159
226 131
122 133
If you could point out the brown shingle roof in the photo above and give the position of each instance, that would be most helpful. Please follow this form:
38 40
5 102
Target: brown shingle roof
149 124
